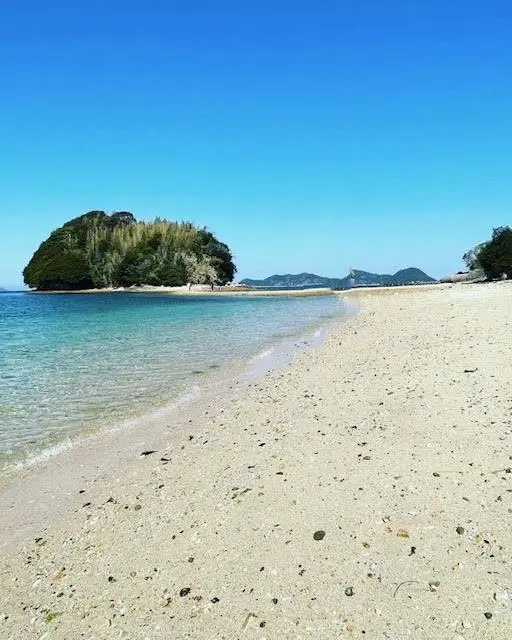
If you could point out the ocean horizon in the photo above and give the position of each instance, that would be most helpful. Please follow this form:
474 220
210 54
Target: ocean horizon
73 364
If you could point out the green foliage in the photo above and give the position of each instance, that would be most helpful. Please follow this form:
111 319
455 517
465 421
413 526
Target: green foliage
472 257
495 257
100 250
58 264
222 260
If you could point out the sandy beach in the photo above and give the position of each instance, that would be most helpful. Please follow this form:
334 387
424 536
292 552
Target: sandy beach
204 290
362 491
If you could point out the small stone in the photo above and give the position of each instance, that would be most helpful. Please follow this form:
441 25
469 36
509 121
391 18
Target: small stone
274 600
349 591
488 615
435 474
434 584
112 579
215 600
137 507
191 559
262 624
460 530
184 592
319 535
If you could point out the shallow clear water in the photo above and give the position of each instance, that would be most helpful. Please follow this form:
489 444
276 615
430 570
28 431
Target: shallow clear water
70 363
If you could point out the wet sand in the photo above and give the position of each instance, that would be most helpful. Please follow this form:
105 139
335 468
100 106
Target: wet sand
365 490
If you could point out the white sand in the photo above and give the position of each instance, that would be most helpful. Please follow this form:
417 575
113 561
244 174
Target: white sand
388 438
205 290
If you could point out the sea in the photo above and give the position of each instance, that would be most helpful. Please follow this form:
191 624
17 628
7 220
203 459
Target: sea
73 364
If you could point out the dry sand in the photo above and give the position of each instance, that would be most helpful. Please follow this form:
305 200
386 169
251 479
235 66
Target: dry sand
393 438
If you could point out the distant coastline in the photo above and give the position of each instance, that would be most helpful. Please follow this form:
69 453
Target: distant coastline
200 290
244 290
355 277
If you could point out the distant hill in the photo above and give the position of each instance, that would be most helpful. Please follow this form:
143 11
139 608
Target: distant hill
361 279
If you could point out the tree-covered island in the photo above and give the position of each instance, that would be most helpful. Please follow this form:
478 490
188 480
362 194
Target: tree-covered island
97 250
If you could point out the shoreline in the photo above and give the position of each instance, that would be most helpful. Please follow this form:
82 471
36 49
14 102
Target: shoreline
32 482
162 356
363 488
240 290
198 290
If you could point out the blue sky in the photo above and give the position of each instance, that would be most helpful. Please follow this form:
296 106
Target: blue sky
309 136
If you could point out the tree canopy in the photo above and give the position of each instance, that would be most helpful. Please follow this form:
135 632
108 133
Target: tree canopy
495 256
471 257
98 250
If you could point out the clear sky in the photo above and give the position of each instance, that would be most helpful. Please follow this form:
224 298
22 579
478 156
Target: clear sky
309 136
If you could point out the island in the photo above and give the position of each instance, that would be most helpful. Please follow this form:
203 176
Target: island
101 251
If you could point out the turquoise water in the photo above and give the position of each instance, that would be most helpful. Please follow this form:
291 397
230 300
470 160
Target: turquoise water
71 363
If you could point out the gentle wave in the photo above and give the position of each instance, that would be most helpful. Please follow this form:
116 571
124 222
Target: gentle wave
264 354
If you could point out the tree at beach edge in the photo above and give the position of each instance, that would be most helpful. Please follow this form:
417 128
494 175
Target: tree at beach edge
493 257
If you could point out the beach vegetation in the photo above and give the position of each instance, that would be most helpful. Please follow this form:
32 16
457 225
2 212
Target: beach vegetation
492 258
471 257
495 257
97 250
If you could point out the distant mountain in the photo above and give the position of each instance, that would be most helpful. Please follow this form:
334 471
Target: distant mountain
292 280
361 279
